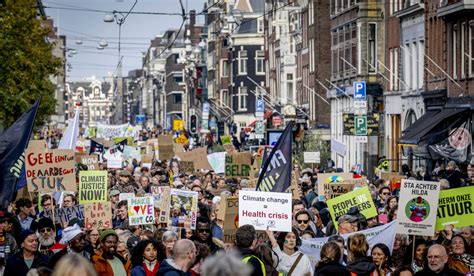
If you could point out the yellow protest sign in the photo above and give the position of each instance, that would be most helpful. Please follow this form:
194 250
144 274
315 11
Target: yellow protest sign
92 186
178 125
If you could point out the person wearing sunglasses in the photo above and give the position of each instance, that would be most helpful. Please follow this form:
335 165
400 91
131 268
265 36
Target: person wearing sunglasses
303 220
46 236
203 234
384 193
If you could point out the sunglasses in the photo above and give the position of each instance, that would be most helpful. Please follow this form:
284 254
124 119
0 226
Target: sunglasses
302 221
47 229
386 193
204 230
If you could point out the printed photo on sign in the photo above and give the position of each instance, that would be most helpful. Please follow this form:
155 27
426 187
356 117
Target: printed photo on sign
265 210
141 210
183 209
92 186
98 215
417 207
455 208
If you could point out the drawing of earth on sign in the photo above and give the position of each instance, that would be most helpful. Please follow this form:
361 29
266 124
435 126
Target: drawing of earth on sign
334 179
417 209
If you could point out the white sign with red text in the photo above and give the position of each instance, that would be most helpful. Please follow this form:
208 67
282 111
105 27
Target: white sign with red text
265 210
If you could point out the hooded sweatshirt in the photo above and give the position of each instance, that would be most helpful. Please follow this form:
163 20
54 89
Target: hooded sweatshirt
362 267
168 268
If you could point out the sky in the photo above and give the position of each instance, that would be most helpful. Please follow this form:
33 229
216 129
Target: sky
76 20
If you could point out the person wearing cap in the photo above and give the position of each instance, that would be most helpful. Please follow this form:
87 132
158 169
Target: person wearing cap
346 224
74 238
125 183
8 245
46 236
106 260
28 257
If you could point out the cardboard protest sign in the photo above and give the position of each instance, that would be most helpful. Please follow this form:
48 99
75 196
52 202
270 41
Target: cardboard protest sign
333 190
340 205
146 158
330 178
186 166
217 161
161 197
183 208
92 186
165 144
229 213
49 170
141 210
98 215
238 164
64 215
417 207
394 179
384 234
91 161
198 156
455 207
265 210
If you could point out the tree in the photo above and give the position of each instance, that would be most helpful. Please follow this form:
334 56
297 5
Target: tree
26 62
312 142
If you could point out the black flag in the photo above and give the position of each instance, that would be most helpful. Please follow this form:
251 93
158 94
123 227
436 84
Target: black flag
275 175
13 143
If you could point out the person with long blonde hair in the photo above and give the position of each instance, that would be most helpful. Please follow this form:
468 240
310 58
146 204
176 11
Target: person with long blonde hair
74 265
359 263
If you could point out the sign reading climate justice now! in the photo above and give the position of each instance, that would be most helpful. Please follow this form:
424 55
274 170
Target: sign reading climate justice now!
361 197
92 186
455 207
417 207
265 210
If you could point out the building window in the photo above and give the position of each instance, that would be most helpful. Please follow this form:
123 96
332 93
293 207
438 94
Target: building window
463 39
242 98
311 55
242 62
224 68
395 69
260 25
259 62
290 88
311 13
455 51
471 49
178 98
372 47
224 97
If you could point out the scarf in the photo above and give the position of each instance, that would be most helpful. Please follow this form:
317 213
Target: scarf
151 268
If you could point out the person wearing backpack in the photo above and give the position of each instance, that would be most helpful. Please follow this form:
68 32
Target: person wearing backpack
246 240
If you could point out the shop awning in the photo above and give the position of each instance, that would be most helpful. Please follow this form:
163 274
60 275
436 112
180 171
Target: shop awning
415 133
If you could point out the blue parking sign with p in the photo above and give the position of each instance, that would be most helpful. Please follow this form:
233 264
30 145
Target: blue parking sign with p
360 91
260 106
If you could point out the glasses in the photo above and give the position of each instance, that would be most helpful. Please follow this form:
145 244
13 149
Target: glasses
204 230
303 221
47 229
386 193
199 191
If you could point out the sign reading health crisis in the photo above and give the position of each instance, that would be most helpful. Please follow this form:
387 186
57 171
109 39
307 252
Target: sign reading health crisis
265 210
455 207
417 207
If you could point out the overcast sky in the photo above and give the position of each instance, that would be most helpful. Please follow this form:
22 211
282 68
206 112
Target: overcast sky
75 19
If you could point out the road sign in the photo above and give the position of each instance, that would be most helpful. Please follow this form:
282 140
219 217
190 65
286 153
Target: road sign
361 139
259 127
360 91
360 125
259 106
205 110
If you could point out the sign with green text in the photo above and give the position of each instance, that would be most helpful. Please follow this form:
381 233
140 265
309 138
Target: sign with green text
455 207
361 197
238 164
92 186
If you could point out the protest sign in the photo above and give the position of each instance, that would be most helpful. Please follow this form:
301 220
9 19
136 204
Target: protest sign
381 234
217 161
123 140
152 147
229 213
265 210
161 197
312 157
332 190
110 131
198 156
64 215
98 215
330 178
114 163
146 158
141 210
165 145
340 205
49 170
417 207
186 166
183 208
132 153
226 140
455 207
126 196
91 161
92 186
394 181
238 164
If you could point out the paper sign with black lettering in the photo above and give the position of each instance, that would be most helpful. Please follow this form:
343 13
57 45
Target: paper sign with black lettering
91 161
265 210
92 186
98 215
361 198
229 213
141 210
455 207
238 164
417 207
64 215
49 170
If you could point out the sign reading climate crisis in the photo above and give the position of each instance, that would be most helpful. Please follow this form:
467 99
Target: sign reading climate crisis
455 207
361 198
265 210
238 164
92 186
417 207
49 170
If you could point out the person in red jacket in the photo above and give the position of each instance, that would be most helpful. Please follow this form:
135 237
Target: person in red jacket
145 258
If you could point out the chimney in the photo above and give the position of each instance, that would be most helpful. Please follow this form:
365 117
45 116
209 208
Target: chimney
192 17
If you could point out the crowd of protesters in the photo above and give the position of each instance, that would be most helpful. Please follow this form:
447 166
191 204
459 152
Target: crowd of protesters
32 244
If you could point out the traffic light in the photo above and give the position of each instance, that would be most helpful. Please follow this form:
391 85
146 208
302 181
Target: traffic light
193 123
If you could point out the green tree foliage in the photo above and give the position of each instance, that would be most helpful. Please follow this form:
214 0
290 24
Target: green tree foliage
311 142
26 62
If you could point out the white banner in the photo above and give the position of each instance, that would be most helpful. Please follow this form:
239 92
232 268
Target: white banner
381 234
110 131
132 152
217 161
265 210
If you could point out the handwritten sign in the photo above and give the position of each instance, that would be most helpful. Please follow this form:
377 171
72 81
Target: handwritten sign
64 215
92 186
91 161
98 215
238 164
140 210
229 213
49 170
331 178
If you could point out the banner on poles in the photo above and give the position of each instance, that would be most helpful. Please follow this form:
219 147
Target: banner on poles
417 207
455 207
92 186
